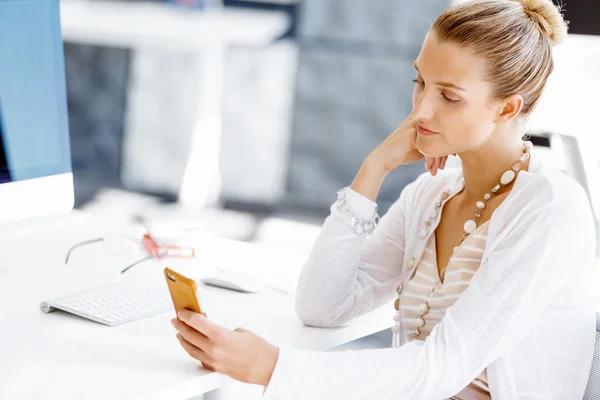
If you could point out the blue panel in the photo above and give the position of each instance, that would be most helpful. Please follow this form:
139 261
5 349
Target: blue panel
34 132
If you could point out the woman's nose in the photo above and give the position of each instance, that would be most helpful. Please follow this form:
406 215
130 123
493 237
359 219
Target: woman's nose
423 108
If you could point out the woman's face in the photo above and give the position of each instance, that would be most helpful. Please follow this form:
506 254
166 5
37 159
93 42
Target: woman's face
452 99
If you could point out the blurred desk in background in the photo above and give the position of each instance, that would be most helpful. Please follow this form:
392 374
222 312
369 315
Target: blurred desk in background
143 26
139 24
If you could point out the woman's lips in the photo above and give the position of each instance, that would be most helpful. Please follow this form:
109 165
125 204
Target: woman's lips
425 132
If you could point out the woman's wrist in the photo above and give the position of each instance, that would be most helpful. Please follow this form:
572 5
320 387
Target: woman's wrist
369 179
269 366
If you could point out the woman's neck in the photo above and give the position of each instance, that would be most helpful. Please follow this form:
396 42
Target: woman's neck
483 167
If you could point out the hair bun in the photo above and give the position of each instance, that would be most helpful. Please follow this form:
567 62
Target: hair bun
548 17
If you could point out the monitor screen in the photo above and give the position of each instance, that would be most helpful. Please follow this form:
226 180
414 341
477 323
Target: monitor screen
34 139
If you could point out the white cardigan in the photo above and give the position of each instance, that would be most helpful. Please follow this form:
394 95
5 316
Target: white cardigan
527 315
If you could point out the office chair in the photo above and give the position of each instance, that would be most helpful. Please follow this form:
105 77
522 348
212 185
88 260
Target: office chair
567 152
592 391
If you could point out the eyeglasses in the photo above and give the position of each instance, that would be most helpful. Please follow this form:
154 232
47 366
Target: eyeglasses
120 244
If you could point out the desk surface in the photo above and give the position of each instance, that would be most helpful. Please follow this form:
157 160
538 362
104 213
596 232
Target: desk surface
58 355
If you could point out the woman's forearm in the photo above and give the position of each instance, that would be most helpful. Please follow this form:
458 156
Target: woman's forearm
369 179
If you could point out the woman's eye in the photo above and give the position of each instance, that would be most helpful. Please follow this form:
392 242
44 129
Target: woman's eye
446 98
449 100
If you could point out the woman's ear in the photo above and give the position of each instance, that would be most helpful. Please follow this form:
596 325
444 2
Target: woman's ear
510 108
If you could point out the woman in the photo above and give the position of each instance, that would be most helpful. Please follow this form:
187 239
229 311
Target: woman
489 264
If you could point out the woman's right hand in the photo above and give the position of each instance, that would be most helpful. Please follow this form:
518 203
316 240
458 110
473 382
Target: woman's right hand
400 148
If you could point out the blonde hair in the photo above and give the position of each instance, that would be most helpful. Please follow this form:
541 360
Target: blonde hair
513 37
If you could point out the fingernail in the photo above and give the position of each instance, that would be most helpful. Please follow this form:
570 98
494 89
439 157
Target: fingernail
173 321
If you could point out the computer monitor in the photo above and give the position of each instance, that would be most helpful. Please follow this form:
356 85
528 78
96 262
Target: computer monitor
35 159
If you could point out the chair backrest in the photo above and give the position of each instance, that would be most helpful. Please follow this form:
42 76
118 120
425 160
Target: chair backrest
565 151
592 391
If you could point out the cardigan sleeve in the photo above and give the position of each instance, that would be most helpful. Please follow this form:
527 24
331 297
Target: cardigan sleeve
347 275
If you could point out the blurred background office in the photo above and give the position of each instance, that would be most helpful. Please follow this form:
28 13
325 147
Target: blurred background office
246 117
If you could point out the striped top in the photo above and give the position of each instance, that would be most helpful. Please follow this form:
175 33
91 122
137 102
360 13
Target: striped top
428 295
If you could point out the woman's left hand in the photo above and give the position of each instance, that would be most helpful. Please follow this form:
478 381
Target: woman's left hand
239 354
433 164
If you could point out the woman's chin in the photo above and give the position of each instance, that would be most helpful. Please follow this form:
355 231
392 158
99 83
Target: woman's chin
428 149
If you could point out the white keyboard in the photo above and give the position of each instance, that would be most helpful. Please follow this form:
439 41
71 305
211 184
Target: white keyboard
115 304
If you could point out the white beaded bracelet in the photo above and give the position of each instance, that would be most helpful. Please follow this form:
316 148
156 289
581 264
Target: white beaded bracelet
359 226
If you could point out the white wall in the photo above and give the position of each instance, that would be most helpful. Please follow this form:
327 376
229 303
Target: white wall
571 102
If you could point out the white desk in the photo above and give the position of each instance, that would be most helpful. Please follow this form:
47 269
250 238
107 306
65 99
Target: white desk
150 24
61 356
140 26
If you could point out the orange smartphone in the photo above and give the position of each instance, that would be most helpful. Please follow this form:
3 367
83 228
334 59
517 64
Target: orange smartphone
183 292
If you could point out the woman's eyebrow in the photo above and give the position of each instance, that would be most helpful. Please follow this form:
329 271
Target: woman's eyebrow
443 84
